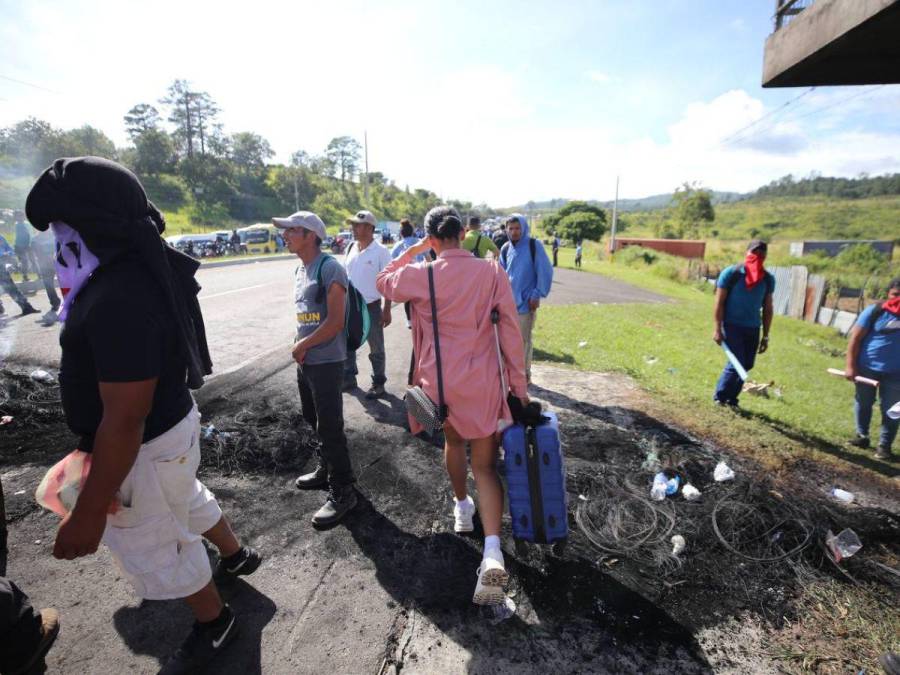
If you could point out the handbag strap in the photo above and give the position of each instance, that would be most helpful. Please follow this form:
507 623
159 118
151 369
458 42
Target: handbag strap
495 319
442 408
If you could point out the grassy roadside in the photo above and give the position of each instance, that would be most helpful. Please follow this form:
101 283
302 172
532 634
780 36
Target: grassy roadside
667 348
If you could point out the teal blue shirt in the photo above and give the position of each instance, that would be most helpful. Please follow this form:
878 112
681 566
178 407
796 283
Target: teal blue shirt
743 307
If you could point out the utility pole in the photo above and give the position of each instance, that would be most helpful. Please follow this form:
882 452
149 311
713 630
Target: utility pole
612 234
366 183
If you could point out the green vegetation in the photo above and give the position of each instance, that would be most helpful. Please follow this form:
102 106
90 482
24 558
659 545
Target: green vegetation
668 349
577 221
202 178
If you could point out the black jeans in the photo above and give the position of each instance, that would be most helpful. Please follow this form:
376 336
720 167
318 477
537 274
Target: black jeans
376 349
322 405
20 627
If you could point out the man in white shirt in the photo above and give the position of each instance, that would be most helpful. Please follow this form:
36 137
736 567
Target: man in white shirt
364 259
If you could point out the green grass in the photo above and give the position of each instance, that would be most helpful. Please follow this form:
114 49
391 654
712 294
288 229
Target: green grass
668 349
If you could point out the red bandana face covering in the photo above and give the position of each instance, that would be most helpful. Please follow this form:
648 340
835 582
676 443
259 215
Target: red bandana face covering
892 305
753 265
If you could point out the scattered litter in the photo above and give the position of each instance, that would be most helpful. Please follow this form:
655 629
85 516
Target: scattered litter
42 376
690 492
650 360
757 388
842 495
209 432
723 472
777 392
582 498
37 541
663 485
844 544
20 492
651 463
583 343
501 612
678 544
6 419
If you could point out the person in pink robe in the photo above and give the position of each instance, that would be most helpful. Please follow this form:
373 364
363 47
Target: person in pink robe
467 289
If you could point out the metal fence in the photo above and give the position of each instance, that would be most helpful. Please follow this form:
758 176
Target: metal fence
786 10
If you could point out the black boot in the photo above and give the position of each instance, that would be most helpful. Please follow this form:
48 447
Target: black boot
340 501
314 480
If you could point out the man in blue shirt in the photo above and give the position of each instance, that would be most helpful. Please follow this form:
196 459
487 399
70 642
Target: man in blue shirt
531 275
874 352
742 293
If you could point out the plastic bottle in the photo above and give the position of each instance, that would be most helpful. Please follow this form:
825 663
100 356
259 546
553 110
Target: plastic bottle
842 495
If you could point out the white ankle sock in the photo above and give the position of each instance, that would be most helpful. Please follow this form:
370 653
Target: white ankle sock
461 501
491 543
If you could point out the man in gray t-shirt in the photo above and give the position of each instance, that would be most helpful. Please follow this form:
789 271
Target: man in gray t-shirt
319 350
312 306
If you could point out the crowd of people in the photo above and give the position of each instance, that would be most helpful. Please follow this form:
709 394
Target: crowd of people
126 378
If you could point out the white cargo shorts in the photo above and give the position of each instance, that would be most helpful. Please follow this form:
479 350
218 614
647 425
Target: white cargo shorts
155 536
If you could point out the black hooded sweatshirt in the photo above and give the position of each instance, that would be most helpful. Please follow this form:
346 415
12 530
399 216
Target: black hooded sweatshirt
138 316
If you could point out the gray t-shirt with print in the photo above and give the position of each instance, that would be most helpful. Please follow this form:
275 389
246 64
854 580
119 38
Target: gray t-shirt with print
312 307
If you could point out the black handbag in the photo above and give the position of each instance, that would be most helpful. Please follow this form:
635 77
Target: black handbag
418 404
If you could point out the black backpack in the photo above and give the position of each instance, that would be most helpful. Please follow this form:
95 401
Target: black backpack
356 313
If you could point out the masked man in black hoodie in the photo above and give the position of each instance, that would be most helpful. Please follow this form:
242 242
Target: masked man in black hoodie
133 345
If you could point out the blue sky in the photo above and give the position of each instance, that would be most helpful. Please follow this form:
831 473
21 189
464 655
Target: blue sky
486 101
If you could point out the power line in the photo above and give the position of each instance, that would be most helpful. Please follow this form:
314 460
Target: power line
814 111
725 141
854 95
29 84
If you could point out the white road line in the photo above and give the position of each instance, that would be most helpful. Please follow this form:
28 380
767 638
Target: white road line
237 290
285 347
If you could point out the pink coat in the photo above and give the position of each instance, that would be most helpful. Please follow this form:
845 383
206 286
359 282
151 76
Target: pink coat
467 289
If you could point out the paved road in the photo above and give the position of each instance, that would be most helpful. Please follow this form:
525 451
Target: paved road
393 584
248 314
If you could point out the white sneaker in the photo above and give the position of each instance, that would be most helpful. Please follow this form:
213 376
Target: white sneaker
492 577
463 512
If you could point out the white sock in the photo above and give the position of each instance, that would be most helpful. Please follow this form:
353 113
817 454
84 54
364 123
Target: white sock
491 543
461 501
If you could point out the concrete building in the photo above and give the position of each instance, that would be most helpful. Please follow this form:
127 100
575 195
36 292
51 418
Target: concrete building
833 42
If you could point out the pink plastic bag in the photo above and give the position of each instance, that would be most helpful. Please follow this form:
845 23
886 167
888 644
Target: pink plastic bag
59 489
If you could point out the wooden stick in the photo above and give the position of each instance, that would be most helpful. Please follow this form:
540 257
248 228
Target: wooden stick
858 378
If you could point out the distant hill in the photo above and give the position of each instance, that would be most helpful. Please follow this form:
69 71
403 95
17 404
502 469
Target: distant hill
650 203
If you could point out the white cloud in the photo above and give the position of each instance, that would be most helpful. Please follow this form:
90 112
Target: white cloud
598 76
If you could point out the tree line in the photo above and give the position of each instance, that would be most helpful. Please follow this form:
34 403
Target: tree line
186 159
845 188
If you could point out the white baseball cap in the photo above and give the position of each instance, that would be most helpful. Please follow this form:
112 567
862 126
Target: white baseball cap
363 217
305 219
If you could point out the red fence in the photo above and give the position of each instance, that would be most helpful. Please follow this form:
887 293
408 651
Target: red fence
684 248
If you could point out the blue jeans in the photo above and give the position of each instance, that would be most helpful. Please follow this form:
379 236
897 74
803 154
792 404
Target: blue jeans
889 393
743 342
376 349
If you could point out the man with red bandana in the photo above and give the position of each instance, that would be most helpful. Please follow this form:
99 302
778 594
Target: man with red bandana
743 305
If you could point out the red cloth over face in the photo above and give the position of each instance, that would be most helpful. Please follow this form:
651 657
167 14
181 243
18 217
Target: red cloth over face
753 265
892 305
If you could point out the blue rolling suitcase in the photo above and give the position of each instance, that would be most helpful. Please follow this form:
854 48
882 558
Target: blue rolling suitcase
536 484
